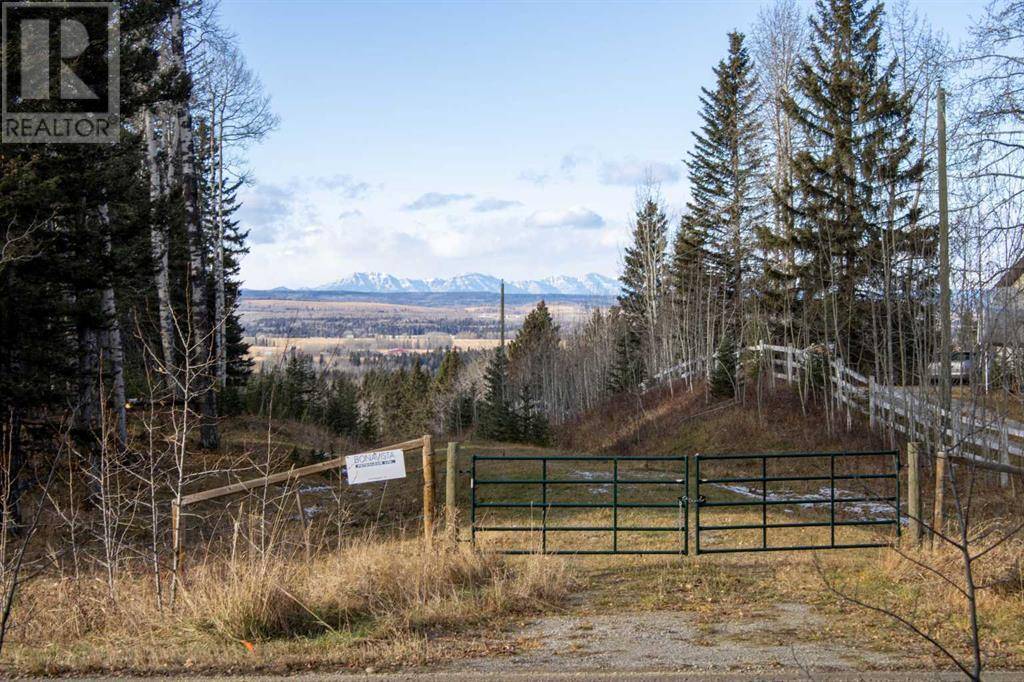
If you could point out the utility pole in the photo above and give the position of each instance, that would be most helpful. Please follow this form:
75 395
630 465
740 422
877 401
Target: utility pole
503 314
946 397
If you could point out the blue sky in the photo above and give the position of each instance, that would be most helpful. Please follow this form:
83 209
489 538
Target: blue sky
434 139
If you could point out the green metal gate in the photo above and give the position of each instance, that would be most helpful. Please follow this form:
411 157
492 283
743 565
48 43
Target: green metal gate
747 477
544 502
883 508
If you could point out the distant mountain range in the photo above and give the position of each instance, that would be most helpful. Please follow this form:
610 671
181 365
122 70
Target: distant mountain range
381 283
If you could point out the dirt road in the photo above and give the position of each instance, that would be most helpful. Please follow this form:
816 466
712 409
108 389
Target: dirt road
672 641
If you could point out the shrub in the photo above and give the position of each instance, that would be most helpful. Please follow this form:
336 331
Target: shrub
723 376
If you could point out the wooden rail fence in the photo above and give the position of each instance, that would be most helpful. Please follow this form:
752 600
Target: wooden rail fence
423 444
968 433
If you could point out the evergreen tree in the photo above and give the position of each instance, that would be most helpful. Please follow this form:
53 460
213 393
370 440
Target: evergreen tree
416 398
393 413
537 337
688 265
497 419
341 410
627 371
239 364
857 153
369 428
531 424
298 389
448 373
726 203
532 354
723 376
643 292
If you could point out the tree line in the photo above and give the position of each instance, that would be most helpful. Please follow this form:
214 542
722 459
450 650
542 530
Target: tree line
813 211
119 282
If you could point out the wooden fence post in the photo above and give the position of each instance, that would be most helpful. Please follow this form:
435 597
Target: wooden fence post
428 489
939 513
451 510
914 493
177 552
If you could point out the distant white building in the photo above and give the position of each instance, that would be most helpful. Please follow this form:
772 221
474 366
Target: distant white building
1001 327
1002 313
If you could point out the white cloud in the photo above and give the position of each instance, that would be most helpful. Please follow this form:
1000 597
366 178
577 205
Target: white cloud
535 177
632 172
572 161
578 217
435 200
265 210
488 205
344 184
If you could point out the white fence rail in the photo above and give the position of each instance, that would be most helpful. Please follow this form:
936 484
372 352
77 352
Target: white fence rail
971 431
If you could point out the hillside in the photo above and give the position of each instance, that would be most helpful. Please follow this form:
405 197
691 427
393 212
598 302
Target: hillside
269 609
667 422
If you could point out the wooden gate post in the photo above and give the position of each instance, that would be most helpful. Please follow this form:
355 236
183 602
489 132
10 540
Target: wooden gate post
939 513
176 544
914 493
428 489
451 515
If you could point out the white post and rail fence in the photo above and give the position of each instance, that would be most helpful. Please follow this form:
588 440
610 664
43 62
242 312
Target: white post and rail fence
969 433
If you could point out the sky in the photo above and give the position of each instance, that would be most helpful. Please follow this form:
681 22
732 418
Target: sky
436 139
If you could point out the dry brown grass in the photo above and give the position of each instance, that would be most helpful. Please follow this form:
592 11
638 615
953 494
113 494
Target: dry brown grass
897 584
371 603
682 422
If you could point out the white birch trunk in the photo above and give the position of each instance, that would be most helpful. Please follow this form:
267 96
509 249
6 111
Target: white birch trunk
200 337
113 341
220 298
158 250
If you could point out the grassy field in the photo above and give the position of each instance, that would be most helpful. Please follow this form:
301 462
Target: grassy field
333 352
370 603
722 589
370 594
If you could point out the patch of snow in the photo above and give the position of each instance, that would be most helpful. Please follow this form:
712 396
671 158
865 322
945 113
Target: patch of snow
862 510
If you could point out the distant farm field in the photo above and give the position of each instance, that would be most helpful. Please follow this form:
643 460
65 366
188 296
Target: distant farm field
369 316
332 327
334 351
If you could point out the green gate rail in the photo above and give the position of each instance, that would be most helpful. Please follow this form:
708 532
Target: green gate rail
544 504
765 502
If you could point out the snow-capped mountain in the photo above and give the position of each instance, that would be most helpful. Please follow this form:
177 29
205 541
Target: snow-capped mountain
382 283
375 282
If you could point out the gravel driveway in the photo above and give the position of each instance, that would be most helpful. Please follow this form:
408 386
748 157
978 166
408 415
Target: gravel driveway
674 641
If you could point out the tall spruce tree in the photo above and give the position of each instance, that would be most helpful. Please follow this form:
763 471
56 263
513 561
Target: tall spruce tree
497 418
532 356
644 285
849 175
726 206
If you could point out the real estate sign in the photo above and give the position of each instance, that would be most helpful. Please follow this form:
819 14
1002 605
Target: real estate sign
370 467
